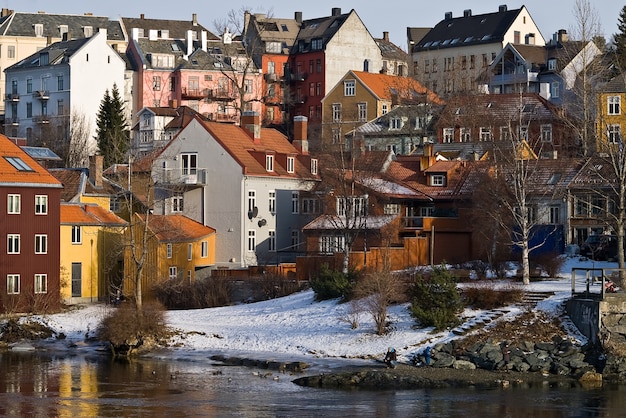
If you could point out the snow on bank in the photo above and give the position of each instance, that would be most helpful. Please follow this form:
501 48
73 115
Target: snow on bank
296 325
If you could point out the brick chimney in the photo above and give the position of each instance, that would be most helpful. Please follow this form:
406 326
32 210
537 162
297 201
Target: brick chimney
251 123
95 169
300 140
386 36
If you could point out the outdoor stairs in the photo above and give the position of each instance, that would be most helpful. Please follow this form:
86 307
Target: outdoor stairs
530 299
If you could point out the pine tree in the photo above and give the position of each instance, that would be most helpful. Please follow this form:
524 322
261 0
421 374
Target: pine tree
112 132
619 40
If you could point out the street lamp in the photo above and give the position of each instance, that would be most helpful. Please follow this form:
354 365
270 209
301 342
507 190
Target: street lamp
365 205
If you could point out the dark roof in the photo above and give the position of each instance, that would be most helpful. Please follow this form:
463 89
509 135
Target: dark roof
198 60
321 28
276 30
391 51
22 24
468 30
177 29
616 85
58 53
414 35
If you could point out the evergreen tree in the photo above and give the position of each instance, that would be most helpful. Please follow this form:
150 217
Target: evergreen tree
112 132
619 40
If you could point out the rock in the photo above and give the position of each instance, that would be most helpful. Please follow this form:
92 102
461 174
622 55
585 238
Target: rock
443 360
592 377
545 346
463 365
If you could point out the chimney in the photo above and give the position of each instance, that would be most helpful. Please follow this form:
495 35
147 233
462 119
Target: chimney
103 31
189 42
297 16
386 36
562 36
135 34
251 123
300 140
141 16
502 8
153 34
448 16
5 12
95 169
336 11
204 40
194 19
467 12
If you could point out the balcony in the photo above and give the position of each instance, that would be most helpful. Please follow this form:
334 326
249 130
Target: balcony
299 99
507 79
298 76
41 94
271 78
41 119
223 95
222 117
191 177
15 121
193 93
13 97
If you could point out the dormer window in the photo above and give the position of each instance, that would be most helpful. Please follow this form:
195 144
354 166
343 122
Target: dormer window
269 162
552 64
88 31
290 164
62 30
316 44
38 29
314 166
395 124
438 180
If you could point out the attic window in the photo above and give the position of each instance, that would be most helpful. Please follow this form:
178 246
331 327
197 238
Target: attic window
528 108
269 162
285 28
316 44
38 29
88 31
485 38
62 30
468 39
438 180
175 47
18 163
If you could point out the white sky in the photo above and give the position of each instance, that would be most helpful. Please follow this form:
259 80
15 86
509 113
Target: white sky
296 327
393 16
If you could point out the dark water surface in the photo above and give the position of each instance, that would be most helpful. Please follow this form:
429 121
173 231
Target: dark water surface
34 384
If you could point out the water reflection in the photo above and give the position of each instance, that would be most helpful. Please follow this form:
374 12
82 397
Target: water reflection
43 385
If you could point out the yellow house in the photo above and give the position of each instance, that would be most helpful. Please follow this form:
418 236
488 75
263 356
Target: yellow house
176 247
611 117
91 255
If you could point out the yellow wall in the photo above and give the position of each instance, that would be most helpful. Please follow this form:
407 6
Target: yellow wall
604 119
102 201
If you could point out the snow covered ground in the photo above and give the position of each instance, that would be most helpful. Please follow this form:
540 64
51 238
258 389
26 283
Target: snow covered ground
297 326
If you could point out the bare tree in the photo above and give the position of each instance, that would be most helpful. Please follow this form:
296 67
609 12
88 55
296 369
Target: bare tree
378 290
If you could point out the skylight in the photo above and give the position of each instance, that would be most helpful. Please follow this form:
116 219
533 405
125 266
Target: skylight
18 163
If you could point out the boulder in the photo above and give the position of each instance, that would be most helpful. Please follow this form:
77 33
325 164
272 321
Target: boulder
463 365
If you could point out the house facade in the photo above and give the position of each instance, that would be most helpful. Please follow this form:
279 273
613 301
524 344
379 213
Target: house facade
249 182
29 247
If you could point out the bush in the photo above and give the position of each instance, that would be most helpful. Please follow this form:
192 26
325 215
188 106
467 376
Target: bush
551 263
486 296
205 293
332 284
127 327
436 301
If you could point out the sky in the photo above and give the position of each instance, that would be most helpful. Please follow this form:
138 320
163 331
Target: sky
392 16
298 328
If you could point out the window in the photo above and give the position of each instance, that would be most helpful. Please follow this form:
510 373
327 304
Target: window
310 205
385 108
41 244
485 134
60 107
13 244
290 164
362 112
177 204
269 162
295 202
60 83
13 284
336 112
18 163
448 64
41 283
426 66
523 133
391 209
247 86
13 204
173 272
354 206
169 250
271 241
295 239
76 234
614 134
251 240
29 85
505 133
11 51
189 164
555 89
395 124
114 204
189 252
311 89
435 65
318 89
41 205
156 83
251 200
316 44
272 202
318 64
314 166
330 244
546 133
437 180
349 88
613 103
448 135
465 134
204 249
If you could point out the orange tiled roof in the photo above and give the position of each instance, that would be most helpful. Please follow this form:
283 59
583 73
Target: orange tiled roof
176 228
89 214
32 172
383 84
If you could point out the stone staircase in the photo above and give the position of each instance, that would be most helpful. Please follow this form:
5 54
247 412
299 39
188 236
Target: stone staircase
530 299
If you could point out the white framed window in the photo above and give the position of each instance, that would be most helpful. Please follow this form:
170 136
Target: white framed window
13 243
189 164
437 180
362 108
613 105
395 124
169 250
295 202
465 134
177 204
77 234
555 215
271 241
41 244
552 64
269 162
336 112
448 135
204 249
523 133
384 109
329 244
349 88
614 134
173 272
314 166
426 211
251 200
546 133
555 89
391 209
291 162
485 134
505 133
189 252
272 201
337 136
41 283
14 204
355 206
310 206
251 240
13 284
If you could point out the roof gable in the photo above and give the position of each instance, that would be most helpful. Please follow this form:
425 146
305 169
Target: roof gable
176 228
19 168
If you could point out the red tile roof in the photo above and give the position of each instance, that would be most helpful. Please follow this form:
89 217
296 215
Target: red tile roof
89 214
30 174
176 228
384 85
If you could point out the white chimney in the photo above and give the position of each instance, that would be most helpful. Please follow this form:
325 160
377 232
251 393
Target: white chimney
135 34
189 42
204 40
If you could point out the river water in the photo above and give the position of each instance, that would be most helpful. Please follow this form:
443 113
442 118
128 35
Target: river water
36 384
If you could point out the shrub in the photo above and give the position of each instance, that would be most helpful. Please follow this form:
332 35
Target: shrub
551 263
436 301
274 286
204 293
378 290
486 296
332 284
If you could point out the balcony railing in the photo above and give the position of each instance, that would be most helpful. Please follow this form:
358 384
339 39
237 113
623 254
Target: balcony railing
41 119
196 176
41 94
222 117
271 77
193 93
12 121
13 97
220 95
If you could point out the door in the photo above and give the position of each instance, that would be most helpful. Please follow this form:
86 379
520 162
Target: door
77 278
